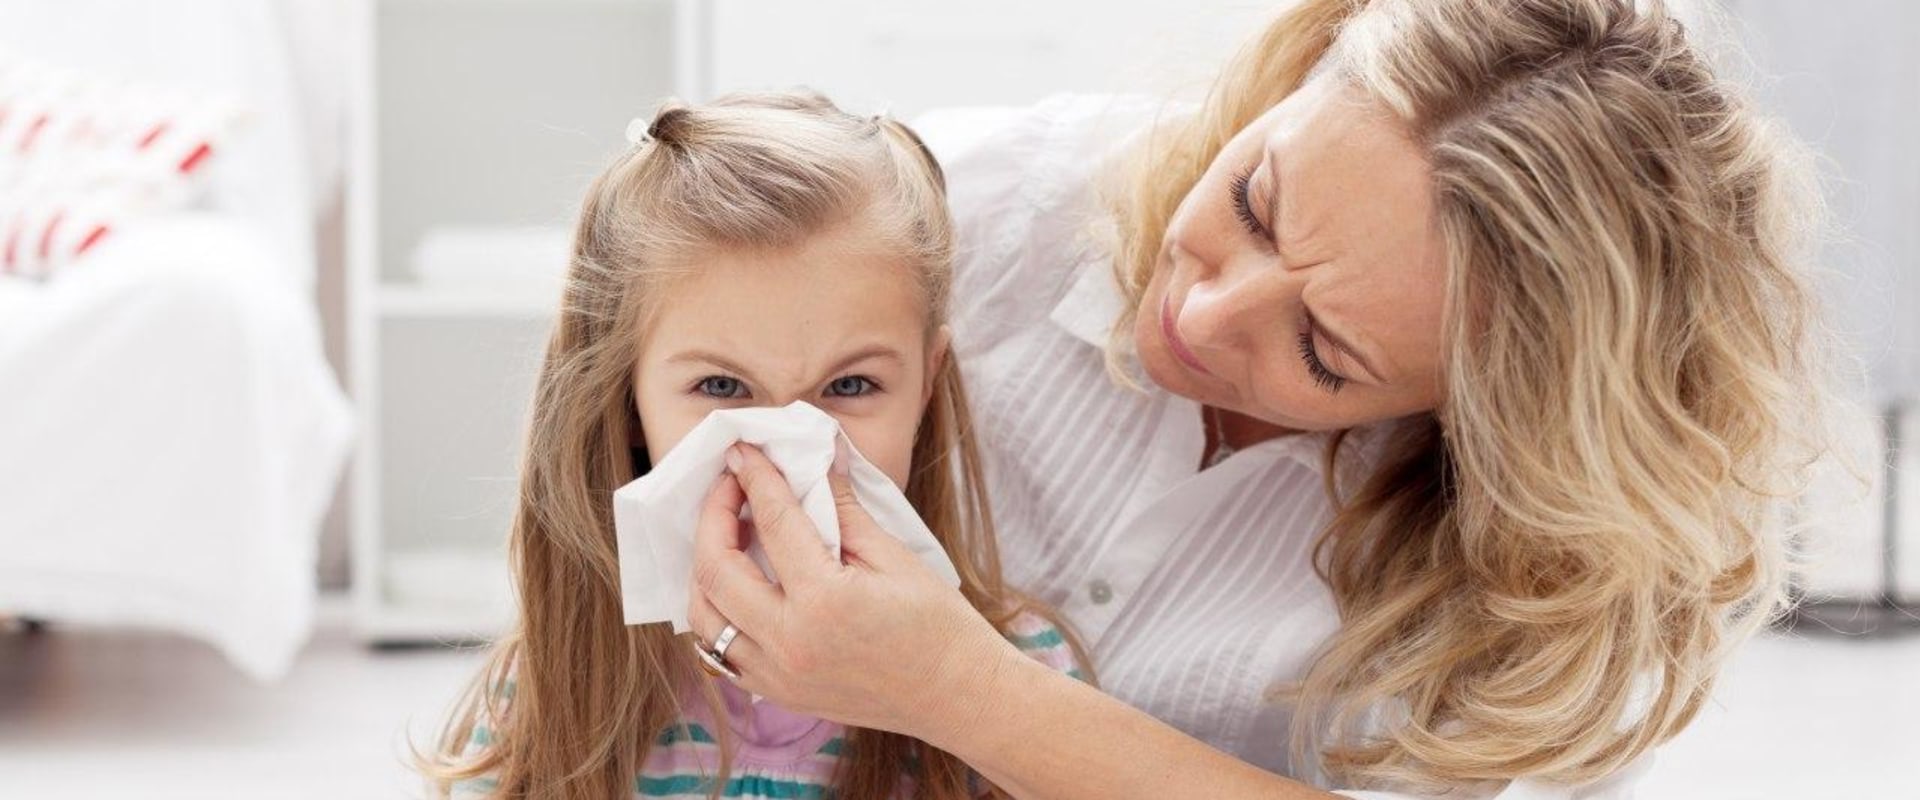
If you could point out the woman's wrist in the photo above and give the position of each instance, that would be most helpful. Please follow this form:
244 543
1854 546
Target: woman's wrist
969 682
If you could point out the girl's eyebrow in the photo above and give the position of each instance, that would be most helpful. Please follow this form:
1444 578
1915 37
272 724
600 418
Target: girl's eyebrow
712 359
864 353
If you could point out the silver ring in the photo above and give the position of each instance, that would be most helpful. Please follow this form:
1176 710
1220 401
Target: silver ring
717 665
707 664
724 641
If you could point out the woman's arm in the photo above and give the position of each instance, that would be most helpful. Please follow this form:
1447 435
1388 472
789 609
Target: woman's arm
1042 735
874 639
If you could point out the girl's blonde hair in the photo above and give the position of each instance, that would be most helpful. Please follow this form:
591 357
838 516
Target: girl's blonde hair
1543 579
589 694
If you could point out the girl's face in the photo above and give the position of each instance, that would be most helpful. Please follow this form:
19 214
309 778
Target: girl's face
835 322
1301 281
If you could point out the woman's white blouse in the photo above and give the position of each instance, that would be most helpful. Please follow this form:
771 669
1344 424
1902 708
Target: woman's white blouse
1194 589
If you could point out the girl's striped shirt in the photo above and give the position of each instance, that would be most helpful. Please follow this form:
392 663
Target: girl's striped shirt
777 753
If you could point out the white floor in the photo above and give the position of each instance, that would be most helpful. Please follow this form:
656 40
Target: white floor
97 714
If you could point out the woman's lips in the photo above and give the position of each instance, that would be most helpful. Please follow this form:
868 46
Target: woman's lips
1175 343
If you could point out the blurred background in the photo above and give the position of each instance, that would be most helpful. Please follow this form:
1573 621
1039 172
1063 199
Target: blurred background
274 277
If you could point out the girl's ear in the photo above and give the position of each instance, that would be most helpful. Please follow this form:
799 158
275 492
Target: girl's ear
937 352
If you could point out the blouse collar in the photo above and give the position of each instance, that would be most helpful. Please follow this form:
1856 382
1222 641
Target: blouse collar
1092 304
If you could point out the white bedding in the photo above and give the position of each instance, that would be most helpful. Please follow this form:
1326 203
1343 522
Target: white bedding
170 435
170 431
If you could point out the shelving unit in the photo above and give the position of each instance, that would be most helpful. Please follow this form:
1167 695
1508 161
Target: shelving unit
479 113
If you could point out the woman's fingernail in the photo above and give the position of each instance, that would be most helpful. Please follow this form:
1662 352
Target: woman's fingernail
734 461
842 461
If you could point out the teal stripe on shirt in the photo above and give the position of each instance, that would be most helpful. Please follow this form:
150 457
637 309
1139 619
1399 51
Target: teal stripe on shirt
747 786
1040 641
671 736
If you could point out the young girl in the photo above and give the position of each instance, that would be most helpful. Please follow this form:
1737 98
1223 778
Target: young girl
756 251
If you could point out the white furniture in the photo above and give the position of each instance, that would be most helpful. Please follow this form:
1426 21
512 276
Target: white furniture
170 430
476 116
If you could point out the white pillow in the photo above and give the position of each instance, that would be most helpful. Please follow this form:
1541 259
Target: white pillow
236 48
82 153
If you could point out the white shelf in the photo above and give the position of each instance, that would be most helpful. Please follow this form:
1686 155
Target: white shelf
441 594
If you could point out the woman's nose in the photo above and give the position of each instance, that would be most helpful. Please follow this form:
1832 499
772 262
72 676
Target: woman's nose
1212 315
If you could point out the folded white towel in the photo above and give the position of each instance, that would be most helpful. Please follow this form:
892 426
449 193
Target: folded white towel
655 516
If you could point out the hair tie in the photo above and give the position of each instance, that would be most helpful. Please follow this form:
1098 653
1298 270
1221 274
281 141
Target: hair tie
637 131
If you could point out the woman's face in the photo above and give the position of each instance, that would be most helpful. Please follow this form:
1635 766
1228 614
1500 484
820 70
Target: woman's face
833 322
1301 281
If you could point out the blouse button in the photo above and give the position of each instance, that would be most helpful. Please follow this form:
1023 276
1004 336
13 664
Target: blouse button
1099 592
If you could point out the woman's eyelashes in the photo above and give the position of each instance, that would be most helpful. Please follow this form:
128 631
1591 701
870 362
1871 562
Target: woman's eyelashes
1316 369
726 387
1240 197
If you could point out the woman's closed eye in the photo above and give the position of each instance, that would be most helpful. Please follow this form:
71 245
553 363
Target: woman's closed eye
1317 369
1240 196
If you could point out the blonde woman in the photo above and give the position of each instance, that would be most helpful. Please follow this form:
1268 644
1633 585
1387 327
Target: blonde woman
1476 353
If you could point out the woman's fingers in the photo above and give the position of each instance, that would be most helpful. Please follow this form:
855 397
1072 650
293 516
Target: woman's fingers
793 546
733 596
727 583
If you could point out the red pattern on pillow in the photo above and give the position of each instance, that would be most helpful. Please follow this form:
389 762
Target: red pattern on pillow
80 155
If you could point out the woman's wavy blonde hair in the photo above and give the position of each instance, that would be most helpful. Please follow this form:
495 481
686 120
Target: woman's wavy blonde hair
573 696
1543 580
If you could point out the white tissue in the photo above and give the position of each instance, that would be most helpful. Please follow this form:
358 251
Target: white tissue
654 517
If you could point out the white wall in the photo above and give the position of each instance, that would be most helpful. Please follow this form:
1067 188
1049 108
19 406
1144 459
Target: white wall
907 56
498 112
1847 77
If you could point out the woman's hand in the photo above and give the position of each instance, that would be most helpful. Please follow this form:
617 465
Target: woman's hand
874 639
880 642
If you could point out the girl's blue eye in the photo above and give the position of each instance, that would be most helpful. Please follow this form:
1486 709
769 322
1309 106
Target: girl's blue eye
721 387
850 386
